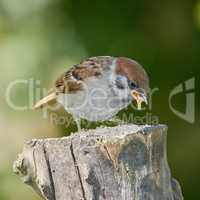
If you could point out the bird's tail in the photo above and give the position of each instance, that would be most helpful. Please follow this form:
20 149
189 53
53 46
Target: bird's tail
50 98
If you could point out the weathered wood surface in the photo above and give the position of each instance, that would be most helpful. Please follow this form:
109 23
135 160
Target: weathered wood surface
126 162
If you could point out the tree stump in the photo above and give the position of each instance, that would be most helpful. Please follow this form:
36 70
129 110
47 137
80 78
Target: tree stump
126 162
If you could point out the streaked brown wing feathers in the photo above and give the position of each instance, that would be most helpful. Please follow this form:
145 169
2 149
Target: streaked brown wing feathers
71 80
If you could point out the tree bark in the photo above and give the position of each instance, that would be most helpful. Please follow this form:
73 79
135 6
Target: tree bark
126 162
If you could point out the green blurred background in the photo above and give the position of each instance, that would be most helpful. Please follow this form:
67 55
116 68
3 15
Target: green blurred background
39 39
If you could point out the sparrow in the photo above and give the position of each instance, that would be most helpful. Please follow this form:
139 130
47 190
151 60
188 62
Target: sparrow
99 87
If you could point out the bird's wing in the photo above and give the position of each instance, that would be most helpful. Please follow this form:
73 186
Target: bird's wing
72 80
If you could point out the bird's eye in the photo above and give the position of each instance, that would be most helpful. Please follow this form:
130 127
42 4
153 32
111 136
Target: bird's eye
132 84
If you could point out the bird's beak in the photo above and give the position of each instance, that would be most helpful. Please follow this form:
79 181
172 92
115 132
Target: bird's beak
140 96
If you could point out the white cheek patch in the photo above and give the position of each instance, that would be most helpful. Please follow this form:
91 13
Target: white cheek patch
119 85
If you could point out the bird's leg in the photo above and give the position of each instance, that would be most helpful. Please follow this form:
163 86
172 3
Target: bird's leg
78 123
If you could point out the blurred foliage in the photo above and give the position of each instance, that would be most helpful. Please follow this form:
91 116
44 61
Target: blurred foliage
40 39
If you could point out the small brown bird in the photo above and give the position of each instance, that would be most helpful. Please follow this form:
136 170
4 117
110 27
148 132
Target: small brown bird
99 87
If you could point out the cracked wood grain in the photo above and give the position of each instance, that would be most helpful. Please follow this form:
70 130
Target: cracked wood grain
78 171
52 197
125 162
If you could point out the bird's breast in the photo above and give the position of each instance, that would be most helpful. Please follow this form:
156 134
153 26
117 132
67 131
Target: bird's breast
96 102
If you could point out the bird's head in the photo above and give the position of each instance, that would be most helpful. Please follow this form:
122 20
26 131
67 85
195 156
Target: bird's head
136 78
